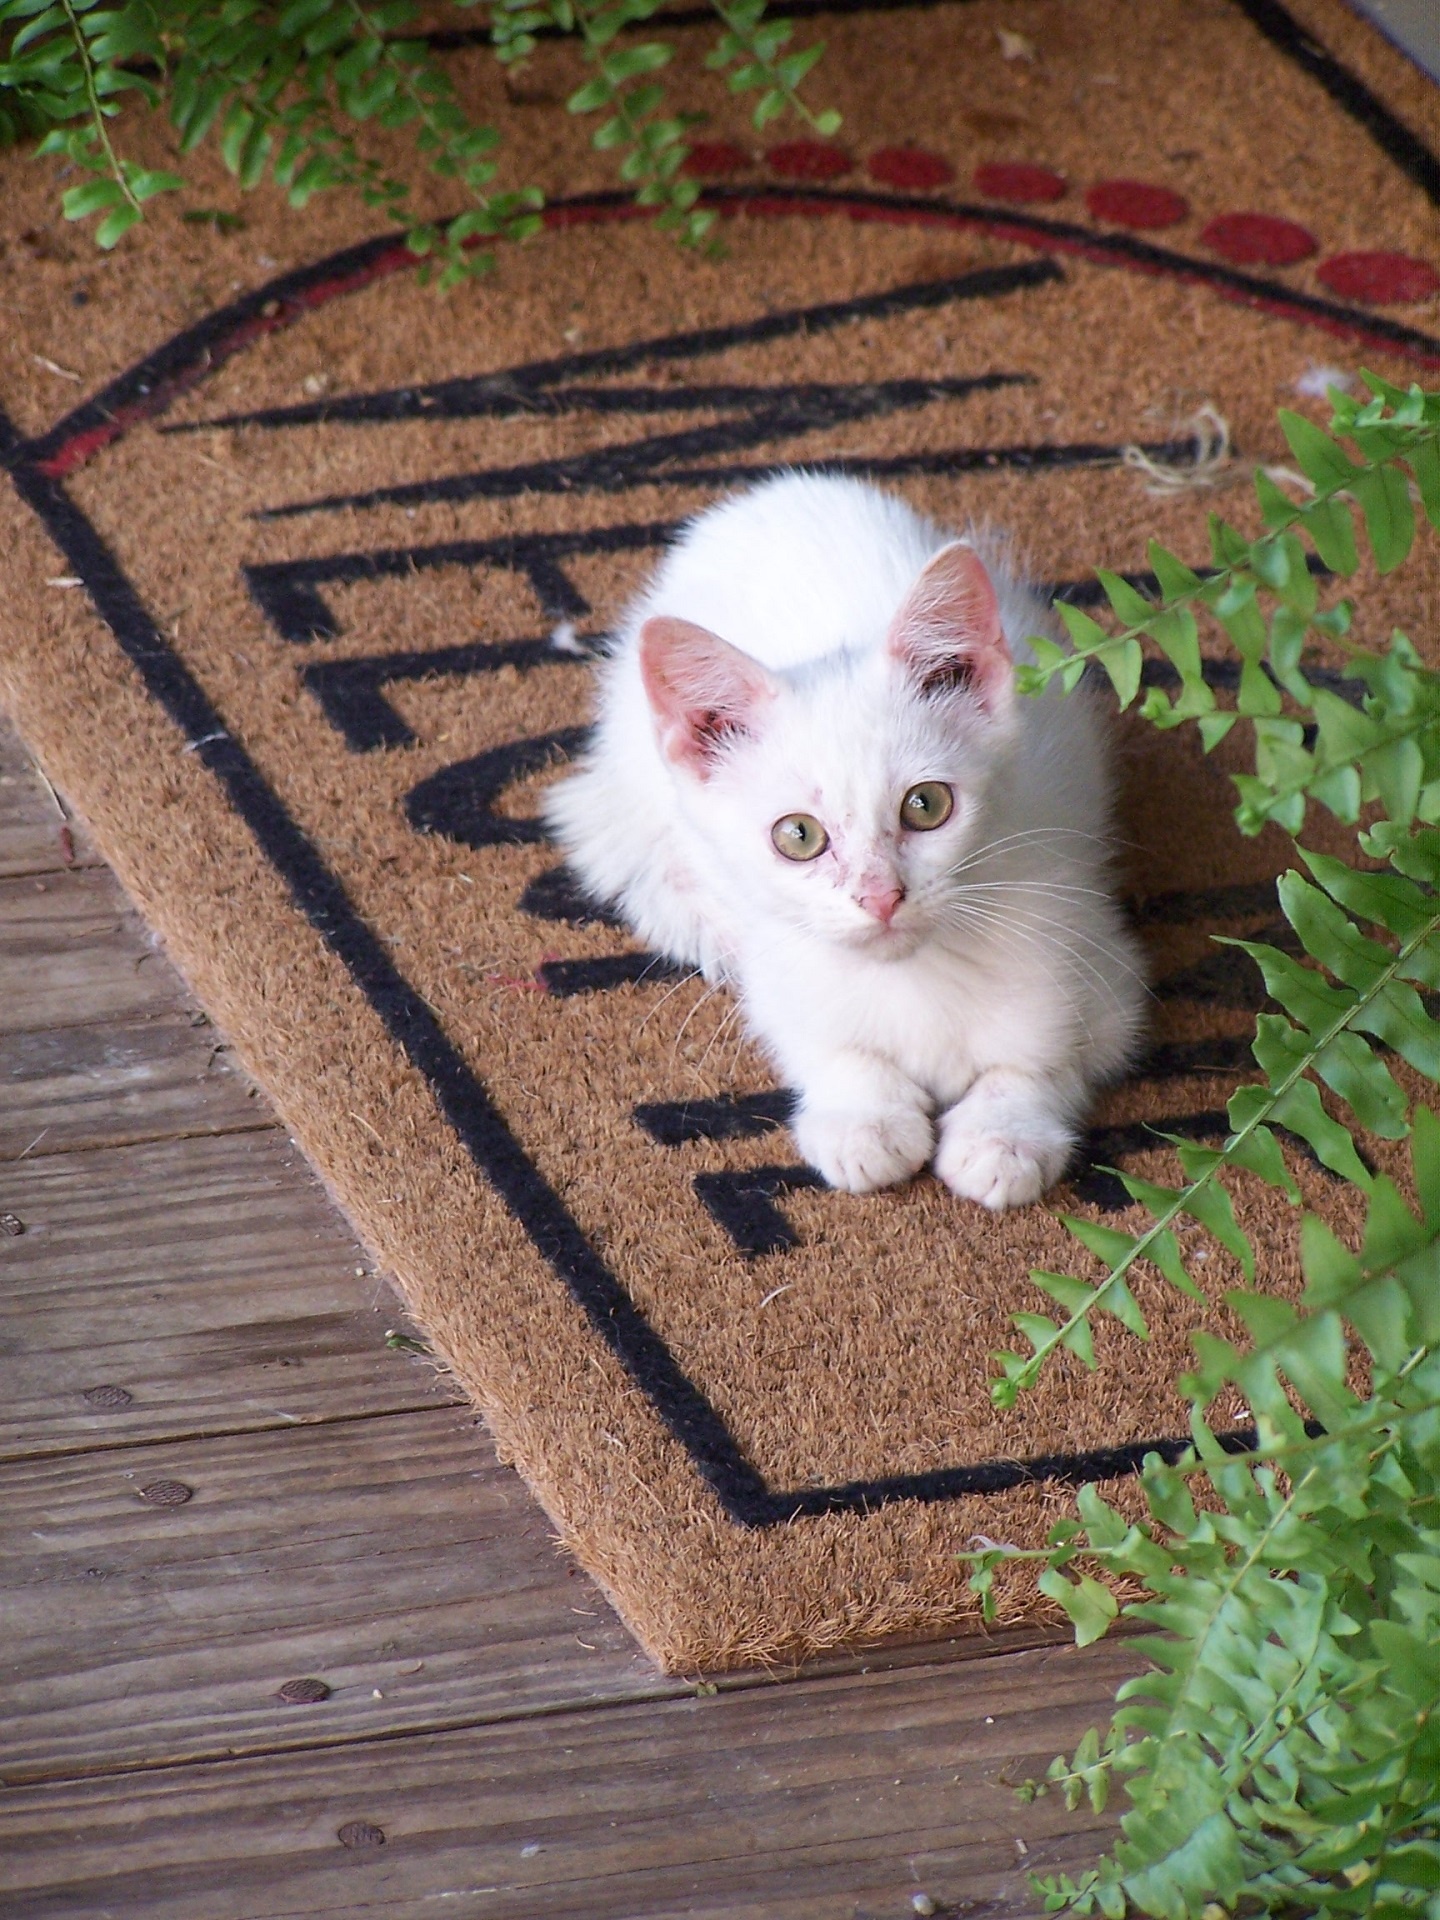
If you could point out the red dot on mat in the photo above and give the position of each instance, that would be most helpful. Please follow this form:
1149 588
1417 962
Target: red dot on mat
710 157
909 167
1379 277
1017 180
1258 240
808 160
1134 203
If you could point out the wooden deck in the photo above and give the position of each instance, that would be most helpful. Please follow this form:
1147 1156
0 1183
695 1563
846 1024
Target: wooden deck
220 1480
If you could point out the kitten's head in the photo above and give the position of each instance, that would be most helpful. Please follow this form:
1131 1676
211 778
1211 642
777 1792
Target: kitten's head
841 795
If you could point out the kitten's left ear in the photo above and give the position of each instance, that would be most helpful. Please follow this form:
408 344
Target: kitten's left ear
948 632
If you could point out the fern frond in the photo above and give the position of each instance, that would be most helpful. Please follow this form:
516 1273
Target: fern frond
1283 1754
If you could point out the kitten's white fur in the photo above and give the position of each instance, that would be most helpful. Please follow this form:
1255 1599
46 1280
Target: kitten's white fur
966 1026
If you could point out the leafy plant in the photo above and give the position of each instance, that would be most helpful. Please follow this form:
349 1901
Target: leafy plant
286 87
1284 1754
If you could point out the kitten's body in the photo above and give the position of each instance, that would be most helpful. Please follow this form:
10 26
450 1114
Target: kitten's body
977 972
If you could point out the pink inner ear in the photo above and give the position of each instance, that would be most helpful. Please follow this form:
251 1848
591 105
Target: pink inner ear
948 631
702 691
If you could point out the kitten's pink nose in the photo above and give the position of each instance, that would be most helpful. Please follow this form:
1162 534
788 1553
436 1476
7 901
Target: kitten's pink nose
882 902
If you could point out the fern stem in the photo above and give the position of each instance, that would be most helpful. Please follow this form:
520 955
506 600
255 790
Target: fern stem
424 110
1217 579
1259 1455
1003 1390
1400 1814
97 117
1227 1592
746 39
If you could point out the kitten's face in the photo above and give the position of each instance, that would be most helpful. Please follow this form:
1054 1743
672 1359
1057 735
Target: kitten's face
843 796
851 805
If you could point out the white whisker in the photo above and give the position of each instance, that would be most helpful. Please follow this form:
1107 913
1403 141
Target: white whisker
685 980
1007 912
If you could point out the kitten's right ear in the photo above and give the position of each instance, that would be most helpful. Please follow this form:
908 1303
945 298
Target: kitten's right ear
702 691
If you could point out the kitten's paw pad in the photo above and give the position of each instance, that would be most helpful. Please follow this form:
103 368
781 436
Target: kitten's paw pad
859 1152
996 1171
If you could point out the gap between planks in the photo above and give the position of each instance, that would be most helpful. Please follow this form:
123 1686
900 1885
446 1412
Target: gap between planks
924 1659
395 1561
187 1436
195 1285
842 1797
121 1083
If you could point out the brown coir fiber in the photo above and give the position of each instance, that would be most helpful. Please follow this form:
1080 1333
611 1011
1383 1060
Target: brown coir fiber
311 741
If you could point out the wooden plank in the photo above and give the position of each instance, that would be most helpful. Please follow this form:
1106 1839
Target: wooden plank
30 820
210 1279
394 1559
834 1799
391 1558
72 951
124 1079
119 1083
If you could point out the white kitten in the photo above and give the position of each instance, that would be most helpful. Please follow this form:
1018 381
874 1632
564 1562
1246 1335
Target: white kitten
811 777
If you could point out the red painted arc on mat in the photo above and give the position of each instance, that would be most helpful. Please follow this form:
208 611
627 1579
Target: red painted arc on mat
265 311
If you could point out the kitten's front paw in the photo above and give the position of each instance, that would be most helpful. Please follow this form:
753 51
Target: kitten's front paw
862 1151
998 1171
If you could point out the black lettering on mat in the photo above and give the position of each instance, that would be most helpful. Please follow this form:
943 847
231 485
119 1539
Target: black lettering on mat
519 390
743 1203
765 414
459 800
556 894
743 1200
563 979
646 463
288 593
351 692
1105 1147
729 1116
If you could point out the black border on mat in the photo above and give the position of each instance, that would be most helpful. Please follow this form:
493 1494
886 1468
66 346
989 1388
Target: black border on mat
463 1099
321 897
1349 92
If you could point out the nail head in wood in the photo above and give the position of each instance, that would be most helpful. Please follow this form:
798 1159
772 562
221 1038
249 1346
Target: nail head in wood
166 1493
303 1693
12 1224
107 1399
360 1833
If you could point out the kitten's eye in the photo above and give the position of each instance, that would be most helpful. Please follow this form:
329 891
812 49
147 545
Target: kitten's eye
928 805
799 836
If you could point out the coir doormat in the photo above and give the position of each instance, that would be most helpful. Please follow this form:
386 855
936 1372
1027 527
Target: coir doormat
278 614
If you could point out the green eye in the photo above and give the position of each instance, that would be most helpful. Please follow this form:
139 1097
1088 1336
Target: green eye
928 805
799 836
